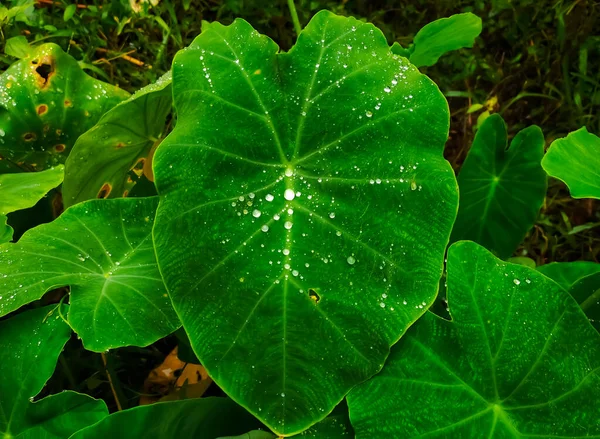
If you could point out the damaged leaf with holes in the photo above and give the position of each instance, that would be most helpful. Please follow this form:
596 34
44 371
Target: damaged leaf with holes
46 102
295 260
107 160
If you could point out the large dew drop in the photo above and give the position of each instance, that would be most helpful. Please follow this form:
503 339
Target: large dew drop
289 194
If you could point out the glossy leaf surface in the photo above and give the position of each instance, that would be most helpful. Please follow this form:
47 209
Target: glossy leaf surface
103 250
59 416
23 190
46 102
582 280
518 360
103 157
575 160
31 343
501 189
201 418
294 188
444 35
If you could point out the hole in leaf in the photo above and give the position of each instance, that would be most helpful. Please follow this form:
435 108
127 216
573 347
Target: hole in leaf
45 71
104 191
42 109
138 168
314 295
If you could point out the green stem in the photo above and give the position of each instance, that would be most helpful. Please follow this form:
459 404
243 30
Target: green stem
294 14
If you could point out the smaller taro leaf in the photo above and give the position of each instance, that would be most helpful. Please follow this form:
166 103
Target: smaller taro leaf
518 360
59 416
272 249
102 158
103 250
46 103
31 343
202 418
501 190
582 280
442 36
18 47
575 160
23 190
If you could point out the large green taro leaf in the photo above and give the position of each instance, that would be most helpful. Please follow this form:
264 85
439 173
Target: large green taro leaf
201 418
102 158
501 189
518 360
30 343
575 160
23 190
103 250
305 207
582 280
442 36
46 102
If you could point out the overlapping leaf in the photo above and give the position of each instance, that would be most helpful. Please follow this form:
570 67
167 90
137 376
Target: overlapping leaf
582 280
31 343
46 102
575 160
290 232
23 190
201 418
518 360
103 250
102 158
501 189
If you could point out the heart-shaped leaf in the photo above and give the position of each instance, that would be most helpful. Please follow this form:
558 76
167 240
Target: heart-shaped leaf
102 158
575 160
202 418
501 189
103 250
31 343
582 280
294 189
442 36
46 102
518 360
23 190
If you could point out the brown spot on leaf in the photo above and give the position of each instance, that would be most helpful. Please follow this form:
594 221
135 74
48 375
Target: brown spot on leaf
58 132
42 109
104 191
46 128
120 145
60 147
68 103
29 137
125 193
